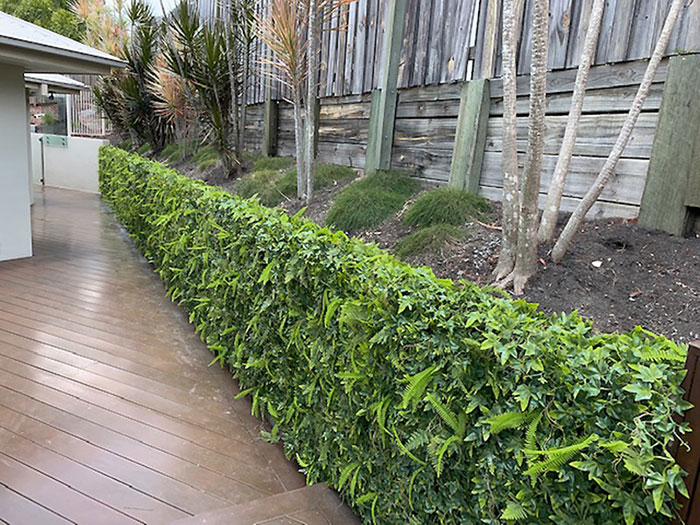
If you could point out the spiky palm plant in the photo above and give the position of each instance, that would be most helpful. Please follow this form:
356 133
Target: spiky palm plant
125 96
198 53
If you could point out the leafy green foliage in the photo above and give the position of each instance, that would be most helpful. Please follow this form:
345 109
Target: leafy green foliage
54 15
430 239
371 200
388 383
446 206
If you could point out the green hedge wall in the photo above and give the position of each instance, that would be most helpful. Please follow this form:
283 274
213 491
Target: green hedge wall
420 400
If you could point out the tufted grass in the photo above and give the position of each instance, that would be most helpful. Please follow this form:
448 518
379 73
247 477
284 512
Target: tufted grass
371 200
430 239
446 206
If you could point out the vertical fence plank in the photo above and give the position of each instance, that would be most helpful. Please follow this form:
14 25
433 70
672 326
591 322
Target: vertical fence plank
371 42
642 29
559 26
423 35
470 138
460 48
580 17
408 49
339 83
523 66
351 41
360 47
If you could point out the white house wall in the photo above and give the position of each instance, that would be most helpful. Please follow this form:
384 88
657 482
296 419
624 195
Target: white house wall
15 217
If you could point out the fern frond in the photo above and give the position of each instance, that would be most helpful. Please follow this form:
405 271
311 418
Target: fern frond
346 473
530 435
417 385
419 438
441 452
507 420
514 511
444 413
557 457
658 355
405 450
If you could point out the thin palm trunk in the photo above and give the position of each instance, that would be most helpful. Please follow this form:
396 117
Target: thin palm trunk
298 139
550 212
511 199
526 253
244 100
574 223
311 75
233 81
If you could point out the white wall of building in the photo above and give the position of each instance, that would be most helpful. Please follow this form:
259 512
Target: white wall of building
15 215
73 167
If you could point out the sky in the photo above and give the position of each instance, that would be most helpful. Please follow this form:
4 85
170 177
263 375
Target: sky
168 4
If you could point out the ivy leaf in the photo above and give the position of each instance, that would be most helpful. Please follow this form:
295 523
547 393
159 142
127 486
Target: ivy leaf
642 392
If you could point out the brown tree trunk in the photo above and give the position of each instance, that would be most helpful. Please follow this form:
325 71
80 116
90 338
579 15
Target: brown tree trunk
550 213
526 253
511 199
574 223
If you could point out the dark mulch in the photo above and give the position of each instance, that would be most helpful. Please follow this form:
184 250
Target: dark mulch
645 278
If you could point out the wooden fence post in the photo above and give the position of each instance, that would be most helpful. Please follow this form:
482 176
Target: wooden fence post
383 111
689 460
269 139
470 138
672 190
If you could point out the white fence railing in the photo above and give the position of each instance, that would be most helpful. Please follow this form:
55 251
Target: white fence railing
87 119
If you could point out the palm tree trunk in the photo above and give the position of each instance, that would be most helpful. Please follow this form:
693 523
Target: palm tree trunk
574 223
550 212
311 76
511 198
526 253
299 138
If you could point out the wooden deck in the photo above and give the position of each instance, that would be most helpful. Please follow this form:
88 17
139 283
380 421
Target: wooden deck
108 411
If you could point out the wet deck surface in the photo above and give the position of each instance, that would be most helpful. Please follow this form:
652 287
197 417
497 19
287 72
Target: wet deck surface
108 410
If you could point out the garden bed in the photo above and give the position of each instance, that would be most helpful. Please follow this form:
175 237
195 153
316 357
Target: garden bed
644 278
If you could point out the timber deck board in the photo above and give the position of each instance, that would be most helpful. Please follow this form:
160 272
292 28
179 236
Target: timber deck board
109 412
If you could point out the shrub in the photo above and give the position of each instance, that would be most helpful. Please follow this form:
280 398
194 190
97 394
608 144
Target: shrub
272 163
446 206
432 238
371 200
421 400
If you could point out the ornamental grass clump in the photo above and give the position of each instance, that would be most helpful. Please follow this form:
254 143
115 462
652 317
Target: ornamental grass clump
419 399
446 206
272 163
430 239
371 200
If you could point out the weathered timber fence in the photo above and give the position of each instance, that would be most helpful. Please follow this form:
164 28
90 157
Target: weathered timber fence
426 125
689 457
445 124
